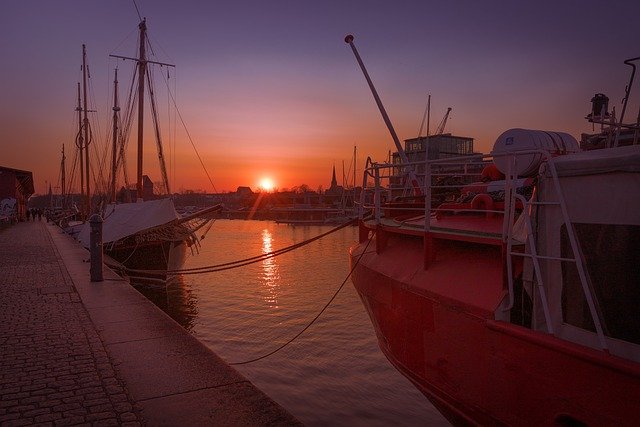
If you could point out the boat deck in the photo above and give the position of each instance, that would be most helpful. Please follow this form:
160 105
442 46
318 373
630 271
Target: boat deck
473 228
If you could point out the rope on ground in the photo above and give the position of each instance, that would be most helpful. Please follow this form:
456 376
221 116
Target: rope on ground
240 263
355 264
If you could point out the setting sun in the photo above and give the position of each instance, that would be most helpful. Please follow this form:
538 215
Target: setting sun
266 184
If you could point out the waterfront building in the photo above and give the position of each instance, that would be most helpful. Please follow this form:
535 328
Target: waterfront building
16 186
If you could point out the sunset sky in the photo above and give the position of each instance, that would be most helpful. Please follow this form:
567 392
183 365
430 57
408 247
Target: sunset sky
269 89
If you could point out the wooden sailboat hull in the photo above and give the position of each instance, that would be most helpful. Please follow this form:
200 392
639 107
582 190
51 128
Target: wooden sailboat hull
156 255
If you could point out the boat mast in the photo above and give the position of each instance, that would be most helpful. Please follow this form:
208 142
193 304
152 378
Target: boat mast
425 117
142 68
63 178
142 62
80 145
85 123
116 110
429 116
355 148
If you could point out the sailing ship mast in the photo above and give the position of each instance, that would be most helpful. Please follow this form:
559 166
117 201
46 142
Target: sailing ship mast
116 111
142 62
85 123
142 68
80 145
82 139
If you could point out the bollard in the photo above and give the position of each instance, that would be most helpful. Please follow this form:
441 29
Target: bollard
95 248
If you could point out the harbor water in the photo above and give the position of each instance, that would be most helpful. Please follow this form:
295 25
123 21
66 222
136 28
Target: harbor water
334 373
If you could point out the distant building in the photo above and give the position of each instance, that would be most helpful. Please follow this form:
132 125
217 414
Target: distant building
244 192
126 195
147 188
16 184
437 146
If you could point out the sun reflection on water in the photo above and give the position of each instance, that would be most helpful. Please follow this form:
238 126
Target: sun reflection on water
270 274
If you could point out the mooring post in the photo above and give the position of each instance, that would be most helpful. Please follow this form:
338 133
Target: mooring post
95 248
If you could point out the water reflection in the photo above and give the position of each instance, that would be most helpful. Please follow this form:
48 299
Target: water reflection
175 298
270 275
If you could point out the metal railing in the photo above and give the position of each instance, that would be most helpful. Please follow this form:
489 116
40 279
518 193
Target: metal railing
438 177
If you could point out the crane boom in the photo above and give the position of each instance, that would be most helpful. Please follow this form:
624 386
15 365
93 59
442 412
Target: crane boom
443 123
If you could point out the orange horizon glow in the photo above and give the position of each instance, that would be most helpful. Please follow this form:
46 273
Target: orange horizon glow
286 99
266 184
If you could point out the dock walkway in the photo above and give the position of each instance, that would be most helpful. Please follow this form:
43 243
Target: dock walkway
77 352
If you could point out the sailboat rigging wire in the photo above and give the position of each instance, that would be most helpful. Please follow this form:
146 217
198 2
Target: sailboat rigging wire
134 30
355 264
243 262
184 125
156 126
125 131
137 10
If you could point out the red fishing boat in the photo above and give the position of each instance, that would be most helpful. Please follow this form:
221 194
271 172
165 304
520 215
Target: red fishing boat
515 300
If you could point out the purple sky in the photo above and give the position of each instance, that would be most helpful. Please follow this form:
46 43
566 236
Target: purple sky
269 88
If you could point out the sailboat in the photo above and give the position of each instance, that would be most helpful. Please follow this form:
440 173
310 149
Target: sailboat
514 301
145 237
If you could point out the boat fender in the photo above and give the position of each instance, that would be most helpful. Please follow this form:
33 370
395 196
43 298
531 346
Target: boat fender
482 202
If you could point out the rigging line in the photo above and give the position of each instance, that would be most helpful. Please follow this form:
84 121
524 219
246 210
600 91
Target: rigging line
137 10
184 125
246 261
172 133
317 316
131 254
134 30
151 38
154 115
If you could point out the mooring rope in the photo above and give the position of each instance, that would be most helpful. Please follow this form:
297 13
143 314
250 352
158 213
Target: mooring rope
242 262
355 264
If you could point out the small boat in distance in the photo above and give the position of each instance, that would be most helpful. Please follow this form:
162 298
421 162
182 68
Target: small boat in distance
146 237
514 301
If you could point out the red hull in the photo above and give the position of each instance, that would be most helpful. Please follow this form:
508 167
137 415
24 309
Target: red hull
474 369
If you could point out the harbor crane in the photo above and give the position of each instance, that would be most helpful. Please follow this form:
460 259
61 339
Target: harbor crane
443 123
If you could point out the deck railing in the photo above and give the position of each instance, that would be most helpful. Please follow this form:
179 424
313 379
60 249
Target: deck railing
449 177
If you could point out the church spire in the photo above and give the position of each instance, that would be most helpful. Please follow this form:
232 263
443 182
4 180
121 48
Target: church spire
334 181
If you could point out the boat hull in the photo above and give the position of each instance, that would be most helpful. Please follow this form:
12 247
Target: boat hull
477 370
154 255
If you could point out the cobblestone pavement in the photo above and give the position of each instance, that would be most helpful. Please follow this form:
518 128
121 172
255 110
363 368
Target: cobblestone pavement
54 369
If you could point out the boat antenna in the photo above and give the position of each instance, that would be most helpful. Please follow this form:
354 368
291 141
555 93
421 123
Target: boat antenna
409 170
625 100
